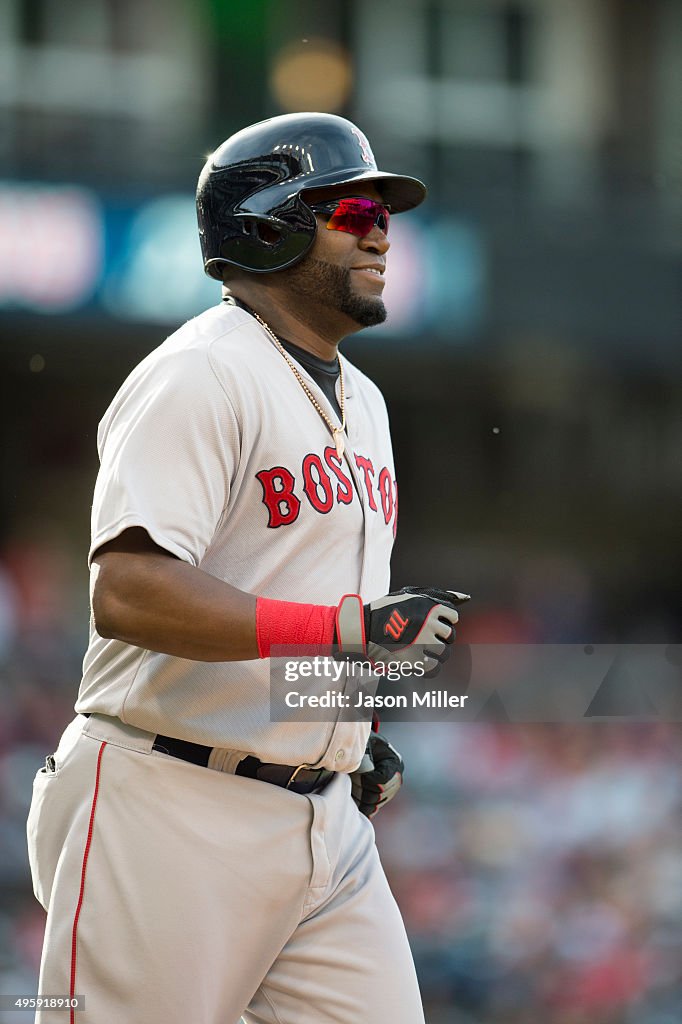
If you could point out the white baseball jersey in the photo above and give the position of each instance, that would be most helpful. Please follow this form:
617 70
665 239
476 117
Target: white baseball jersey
212 446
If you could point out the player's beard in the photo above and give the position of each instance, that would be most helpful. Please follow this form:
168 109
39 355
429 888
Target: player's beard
328 285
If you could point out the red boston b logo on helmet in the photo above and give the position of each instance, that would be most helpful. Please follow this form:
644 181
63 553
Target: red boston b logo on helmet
366 152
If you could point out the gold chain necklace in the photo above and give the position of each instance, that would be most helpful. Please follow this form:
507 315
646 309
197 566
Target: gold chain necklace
336 432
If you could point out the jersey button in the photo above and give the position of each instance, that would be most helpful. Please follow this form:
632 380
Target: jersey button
340 754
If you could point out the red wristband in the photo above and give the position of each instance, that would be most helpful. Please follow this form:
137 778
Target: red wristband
286 623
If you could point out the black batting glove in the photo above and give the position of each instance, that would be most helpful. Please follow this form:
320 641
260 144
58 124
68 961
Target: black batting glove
415 624
379 776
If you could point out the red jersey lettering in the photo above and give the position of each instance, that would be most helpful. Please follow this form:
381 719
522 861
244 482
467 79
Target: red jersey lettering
344 488
278 496
368 470
386 494
316 480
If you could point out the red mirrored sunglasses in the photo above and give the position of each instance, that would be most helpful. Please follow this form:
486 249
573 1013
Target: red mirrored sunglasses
354 214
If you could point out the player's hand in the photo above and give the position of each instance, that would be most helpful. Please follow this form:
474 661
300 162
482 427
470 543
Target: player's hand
415 624
379 776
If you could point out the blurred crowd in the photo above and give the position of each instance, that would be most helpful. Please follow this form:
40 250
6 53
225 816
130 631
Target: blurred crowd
539 871
538 868
42 639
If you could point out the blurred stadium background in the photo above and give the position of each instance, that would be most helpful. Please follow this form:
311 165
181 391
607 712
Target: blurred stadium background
532 367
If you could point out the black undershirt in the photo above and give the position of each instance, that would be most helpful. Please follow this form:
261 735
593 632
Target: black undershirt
324 372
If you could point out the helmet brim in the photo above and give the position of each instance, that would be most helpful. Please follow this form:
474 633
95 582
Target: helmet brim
398 191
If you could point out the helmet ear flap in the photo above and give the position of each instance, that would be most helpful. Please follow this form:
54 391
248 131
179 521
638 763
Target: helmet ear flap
265 244
266 231
260 229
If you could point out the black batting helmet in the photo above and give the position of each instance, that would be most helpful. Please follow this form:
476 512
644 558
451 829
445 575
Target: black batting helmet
256 179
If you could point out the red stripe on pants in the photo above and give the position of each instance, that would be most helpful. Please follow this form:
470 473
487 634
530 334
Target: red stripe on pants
86 853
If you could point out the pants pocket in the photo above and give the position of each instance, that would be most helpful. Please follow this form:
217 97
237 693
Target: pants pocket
40 858
51 811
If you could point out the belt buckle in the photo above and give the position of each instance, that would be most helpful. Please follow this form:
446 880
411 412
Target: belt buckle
295 773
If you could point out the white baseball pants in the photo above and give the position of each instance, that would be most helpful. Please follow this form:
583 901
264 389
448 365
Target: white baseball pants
178 893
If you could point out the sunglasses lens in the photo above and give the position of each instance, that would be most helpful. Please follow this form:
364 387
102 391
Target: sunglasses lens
358 217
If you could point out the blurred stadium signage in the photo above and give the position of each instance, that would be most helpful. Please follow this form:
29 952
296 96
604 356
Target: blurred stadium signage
66 250
51 242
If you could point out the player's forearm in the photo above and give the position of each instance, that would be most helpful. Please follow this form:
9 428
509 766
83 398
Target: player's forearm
144 596
166 605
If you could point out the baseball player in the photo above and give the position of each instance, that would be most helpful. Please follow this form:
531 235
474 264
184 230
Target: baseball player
197 860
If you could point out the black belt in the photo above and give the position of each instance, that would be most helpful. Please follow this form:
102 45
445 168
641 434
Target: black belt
298 780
